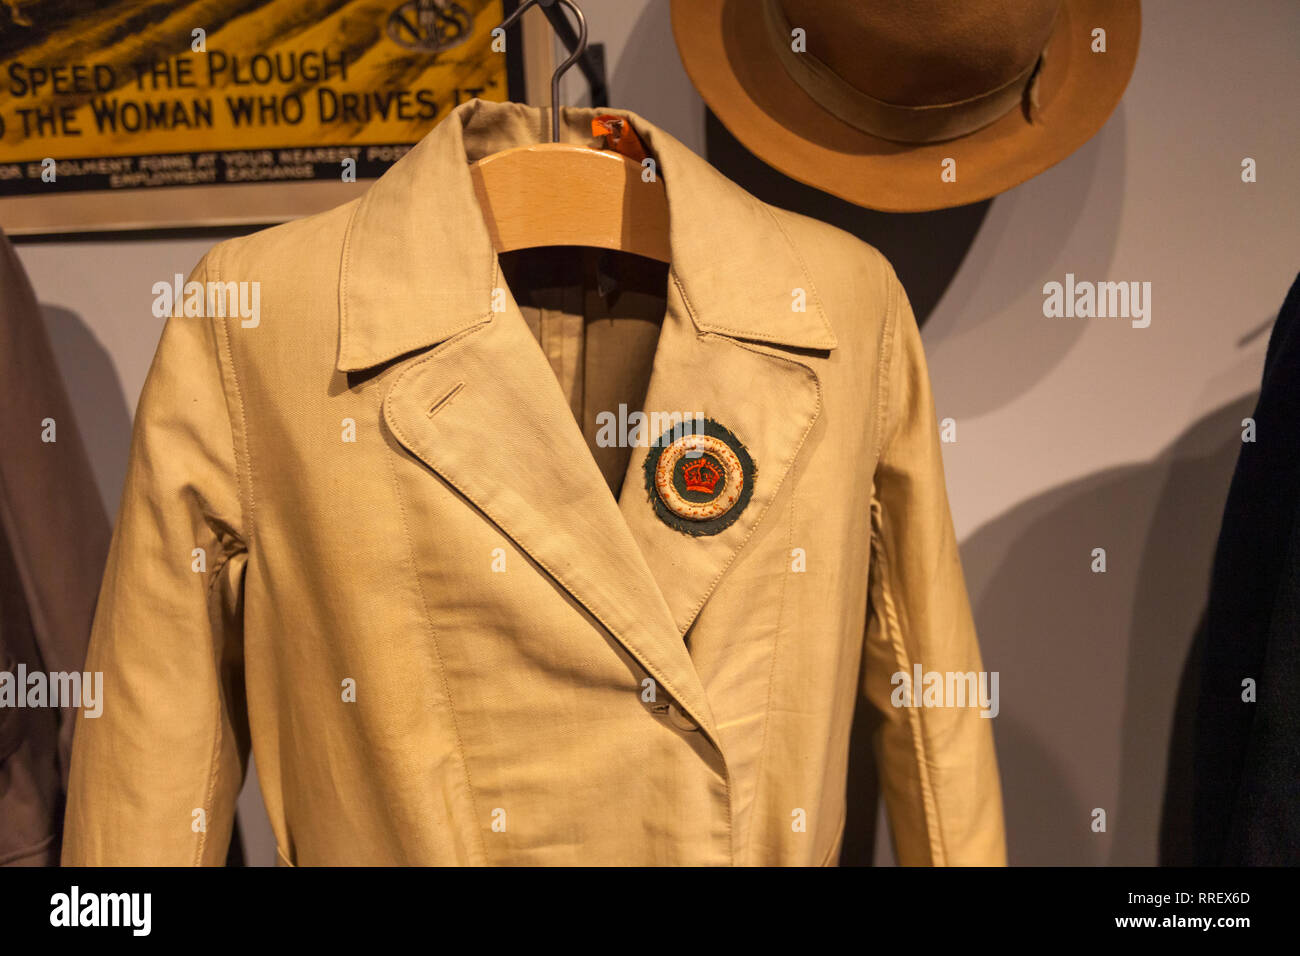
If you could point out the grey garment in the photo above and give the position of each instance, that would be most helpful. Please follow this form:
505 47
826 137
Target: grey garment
54 540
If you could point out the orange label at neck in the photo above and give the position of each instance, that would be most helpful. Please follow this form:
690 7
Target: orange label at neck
619 136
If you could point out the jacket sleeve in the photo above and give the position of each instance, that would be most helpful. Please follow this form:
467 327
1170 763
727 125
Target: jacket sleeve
937 766
155 777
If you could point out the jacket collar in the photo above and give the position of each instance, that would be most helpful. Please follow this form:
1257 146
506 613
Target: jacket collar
417 238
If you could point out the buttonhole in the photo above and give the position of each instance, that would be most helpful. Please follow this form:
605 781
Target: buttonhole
443 402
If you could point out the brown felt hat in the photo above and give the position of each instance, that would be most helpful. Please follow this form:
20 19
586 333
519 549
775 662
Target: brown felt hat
870 99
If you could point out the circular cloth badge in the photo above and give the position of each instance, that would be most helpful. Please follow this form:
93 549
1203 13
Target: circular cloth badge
699 480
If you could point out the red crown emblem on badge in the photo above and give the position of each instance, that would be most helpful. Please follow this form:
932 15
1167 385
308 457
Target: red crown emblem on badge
702 476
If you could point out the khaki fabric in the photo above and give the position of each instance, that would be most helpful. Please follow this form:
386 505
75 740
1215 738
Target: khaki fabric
545 672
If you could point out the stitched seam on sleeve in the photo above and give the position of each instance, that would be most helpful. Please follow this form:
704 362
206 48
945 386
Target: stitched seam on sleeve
242 474
214 770
903 662
884 367
243 463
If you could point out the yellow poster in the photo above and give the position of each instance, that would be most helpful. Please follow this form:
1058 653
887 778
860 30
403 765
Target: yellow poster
142 95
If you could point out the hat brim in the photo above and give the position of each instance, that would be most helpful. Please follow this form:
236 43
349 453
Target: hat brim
728 55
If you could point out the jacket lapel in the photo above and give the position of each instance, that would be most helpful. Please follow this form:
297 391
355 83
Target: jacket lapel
486 413
767 400
738 293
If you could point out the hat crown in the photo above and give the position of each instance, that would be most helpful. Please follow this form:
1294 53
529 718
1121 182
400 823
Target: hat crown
924 52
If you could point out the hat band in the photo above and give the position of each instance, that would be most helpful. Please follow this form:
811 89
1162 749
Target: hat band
902 124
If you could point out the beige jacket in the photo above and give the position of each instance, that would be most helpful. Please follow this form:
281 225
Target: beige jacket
373 534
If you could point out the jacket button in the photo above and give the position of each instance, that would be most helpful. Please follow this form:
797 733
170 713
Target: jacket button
680 720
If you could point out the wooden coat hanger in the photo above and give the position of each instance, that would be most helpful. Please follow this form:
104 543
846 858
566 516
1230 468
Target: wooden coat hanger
558 194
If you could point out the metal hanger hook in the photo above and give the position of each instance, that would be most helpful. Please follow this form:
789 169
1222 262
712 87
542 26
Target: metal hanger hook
572 58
